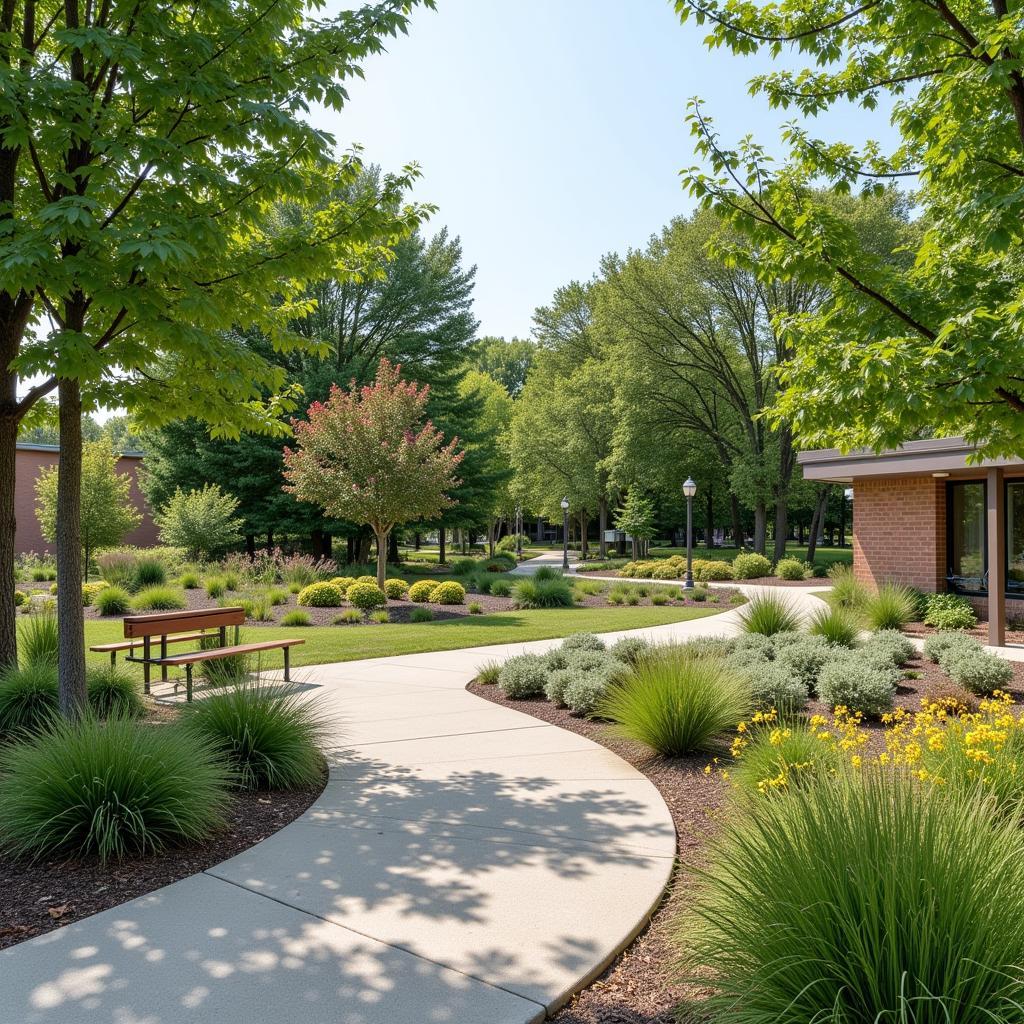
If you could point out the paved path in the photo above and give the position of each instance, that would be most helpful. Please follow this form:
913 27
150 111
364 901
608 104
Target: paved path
466 864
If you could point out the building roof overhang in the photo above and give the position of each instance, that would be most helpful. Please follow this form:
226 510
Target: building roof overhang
952 456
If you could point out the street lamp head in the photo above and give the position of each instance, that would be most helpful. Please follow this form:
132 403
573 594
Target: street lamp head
689 488
565 504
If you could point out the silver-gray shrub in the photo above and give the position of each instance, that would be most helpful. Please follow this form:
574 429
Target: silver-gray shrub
977 671
858 683
523 677
805 659
583 693
893 643
937 645
629 649
777 686
583 642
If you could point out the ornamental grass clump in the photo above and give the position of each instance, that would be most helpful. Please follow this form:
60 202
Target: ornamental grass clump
838 625
769 614
113 601
110 789
297 617
113 692
28 698
158 599
676 703
543 593
37 639
891 608
269 736
866 898
847 591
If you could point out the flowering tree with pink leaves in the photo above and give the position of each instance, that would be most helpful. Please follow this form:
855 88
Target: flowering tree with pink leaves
370 455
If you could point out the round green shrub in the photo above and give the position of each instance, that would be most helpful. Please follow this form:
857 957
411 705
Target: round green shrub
344 582
750 566
791 569
296 617
321 594
523 677
421 590
862 898
856 683
448 592
395 589
582 642
113 691
366 596
421 615
113 601
111 789
28 698
158 599
709 570
676 703
977 671
554 688
804 659
367 579
270 737
949 611
711 646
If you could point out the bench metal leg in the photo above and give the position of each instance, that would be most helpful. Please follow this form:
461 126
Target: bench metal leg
145 665
163 654
188 683
113 659
287 673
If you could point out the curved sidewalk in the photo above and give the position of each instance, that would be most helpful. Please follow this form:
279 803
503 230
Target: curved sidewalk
466 864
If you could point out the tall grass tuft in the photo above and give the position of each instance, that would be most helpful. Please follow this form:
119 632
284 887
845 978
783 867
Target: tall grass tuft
37 639
891 608
110 789
270 737
769 614
838 624
847 591
675 702
862 899
552 592
158 598
28 698
113 692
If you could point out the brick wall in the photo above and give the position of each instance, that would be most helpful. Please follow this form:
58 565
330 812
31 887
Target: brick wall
899 531
27 466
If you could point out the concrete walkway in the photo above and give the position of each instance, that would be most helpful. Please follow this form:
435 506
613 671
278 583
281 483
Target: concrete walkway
466 863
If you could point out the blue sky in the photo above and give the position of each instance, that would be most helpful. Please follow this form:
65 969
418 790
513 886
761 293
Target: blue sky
553 131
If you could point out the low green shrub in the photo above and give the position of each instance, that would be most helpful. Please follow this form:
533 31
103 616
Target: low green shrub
189 580
861 899
523 677
296 617
380 616
707 570
276 596
269 736
421 590
488 673
365 596
463 566
395 589
19 598
28 698
320 595
448 592
804 658
792 569
113 691
421 615
977 671
676 703
857 683
582 642
553 592
937 645
158 599
215 587
949 611
501 588
775 685
891 608
37 638
110 789
344 582
149 572
90 590
113 601
768 614
583 693
751 566
837 624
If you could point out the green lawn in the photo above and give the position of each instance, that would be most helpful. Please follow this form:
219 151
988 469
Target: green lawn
348 643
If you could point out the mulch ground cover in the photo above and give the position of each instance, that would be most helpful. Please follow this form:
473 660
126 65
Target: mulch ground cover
41 895
979 631
639 987
759 581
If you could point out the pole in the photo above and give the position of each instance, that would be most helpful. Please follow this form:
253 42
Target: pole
689 543
565 539
519 531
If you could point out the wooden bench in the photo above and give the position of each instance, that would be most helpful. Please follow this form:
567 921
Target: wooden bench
162 629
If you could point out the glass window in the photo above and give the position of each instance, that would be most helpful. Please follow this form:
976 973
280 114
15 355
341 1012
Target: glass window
1015 536
967 536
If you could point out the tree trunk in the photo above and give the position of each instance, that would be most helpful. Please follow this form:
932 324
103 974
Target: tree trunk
70 615
440 545
393 556
416 541
350 550
250 545
602 526
270 540
382 554
817 522
584 525
8 629
781 527
760 527
709 529
737 521
363 548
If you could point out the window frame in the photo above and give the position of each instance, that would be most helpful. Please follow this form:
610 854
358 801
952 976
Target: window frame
951 585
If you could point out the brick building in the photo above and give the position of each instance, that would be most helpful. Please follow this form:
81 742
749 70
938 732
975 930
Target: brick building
928 516
30 460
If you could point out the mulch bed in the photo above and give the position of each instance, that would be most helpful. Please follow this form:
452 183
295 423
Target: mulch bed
39 896
638 987
980 631
760 581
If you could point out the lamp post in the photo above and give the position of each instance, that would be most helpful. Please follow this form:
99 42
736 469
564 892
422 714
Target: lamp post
689 489
565 533
519 531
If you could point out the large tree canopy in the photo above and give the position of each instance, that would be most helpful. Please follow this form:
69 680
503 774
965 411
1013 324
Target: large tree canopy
933 345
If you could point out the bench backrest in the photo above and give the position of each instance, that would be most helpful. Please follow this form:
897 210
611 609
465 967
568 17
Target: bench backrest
167 623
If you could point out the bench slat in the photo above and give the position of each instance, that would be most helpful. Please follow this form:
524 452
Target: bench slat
163 623
193 657
136 645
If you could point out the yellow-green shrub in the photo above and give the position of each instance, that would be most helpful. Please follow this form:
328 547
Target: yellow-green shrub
421 590
366 595
395 589
320 595
448 592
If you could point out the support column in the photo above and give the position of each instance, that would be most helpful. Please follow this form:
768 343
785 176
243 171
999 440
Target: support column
996 523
